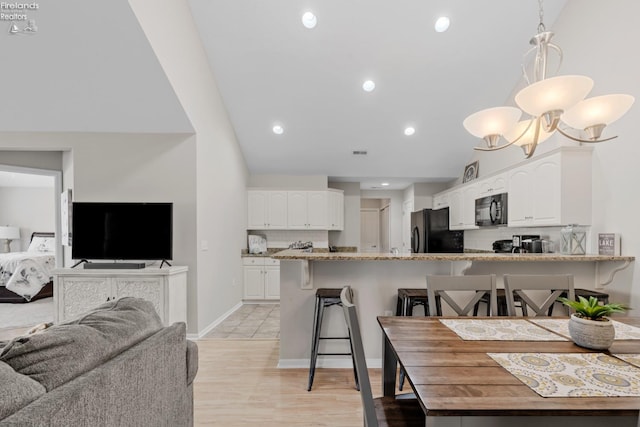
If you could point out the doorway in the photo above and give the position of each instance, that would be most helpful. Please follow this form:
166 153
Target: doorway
375 221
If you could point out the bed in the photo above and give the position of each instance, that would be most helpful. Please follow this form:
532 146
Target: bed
26 276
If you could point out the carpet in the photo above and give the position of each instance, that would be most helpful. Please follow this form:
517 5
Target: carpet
26 315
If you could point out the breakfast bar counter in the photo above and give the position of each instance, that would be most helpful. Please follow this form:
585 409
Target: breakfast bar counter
376 278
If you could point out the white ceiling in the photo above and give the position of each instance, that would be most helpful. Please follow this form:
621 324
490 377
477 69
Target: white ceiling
270 69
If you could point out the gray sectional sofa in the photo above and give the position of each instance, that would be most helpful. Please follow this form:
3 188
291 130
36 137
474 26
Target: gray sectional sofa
114 366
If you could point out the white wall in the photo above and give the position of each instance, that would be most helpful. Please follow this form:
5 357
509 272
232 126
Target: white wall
29 208
289 182
220 170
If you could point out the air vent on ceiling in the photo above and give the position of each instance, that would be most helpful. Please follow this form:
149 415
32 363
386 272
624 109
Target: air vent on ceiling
359 152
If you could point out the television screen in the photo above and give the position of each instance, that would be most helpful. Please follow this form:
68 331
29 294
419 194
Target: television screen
122 231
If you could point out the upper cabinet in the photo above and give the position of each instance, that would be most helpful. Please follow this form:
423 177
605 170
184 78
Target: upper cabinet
462 208
336 210
267 210
552 191
295 210
441 200
307 210
492 185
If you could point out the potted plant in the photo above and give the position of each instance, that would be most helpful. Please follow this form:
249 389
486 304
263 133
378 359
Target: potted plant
589 327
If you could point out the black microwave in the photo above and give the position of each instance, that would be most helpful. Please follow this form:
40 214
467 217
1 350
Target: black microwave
491 210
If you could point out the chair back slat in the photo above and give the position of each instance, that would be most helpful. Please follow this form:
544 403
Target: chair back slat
444 286
522 285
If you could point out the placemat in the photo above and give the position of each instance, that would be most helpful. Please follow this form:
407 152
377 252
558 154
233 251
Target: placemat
499 330
633 358
561 326
572 374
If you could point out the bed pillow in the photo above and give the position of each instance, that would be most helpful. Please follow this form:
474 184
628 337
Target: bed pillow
42 244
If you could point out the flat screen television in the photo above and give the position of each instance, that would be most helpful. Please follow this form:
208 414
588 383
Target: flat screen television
122 231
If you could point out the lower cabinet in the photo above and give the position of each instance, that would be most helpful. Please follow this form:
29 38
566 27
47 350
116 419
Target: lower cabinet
261 278
78 291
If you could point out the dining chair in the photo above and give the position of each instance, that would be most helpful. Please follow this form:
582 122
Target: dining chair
381 411
523 285
445 287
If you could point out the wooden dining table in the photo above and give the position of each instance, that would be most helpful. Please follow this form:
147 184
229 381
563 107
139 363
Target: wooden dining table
455 379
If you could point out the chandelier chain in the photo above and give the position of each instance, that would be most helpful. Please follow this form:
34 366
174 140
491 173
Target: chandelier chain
541 27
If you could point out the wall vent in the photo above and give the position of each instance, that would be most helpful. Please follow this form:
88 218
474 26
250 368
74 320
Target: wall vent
359 152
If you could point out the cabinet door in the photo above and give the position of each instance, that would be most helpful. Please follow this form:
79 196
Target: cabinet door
455 210
277 210
336 210
441 200
272 282
520 211
468 215
79 294
297 210
492 185
317 214
547 203
257 210
147 288
254 282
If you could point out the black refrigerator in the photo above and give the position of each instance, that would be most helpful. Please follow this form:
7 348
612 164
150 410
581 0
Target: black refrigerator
430 232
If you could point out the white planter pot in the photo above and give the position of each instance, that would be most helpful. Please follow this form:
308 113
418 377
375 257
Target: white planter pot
593 334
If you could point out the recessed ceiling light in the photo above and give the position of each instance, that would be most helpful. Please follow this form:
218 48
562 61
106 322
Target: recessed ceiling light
278 129
442 24
368 86
384 184
409 131
309 20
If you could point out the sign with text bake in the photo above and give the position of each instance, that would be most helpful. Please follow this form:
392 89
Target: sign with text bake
608 244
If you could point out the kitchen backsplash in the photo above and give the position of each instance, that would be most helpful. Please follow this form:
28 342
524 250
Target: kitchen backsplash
283 238
483 239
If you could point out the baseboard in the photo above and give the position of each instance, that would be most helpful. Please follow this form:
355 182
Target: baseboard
336 363
215 323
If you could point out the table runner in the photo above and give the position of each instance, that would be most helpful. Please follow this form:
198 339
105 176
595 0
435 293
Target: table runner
572 374
561 326
499 330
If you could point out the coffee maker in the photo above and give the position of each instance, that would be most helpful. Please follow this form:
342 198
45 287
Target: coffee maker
521 243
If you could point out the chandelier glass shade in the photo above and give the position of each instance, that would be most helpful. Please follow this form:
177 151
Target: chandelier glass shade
552 104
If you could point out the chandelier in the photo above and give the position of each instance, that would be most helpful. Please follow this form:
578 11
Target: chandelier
552 104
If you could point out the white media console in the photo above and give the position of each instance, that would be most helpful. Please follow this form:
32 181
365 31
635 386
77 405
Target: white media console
78 290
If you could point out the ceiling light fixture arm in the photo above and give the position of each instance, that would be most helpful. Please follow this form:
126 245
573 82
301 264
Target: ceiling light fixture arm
590 141
492 141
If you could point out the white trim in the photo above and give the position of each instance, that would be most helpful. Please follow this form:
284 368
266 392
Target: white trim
215 323
343 362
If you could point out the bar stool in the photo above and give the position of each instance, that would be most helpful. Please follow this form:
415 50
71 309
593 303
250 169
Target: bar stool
407 299
326 297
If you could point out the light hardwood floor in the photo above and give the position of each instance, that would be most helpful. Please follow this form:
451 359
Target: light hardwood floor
239 384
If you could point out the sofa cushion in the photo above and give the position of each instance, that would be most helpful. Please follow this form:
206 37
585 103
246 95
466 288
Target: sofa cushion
64 351
16 390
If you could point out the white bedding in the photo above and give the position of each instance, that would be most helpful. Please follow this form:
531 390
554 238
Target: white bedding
25 273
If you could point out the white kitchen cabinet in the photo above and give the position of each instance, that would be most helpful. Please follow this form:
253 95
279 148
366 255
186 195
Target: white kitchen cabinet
492 185
261 278
441 200
335 210
267 210
77 291
462 208
552 191
307 210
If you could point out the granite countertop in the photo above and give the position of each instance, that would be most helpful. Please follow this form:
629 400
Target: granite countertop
271 251
293 254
